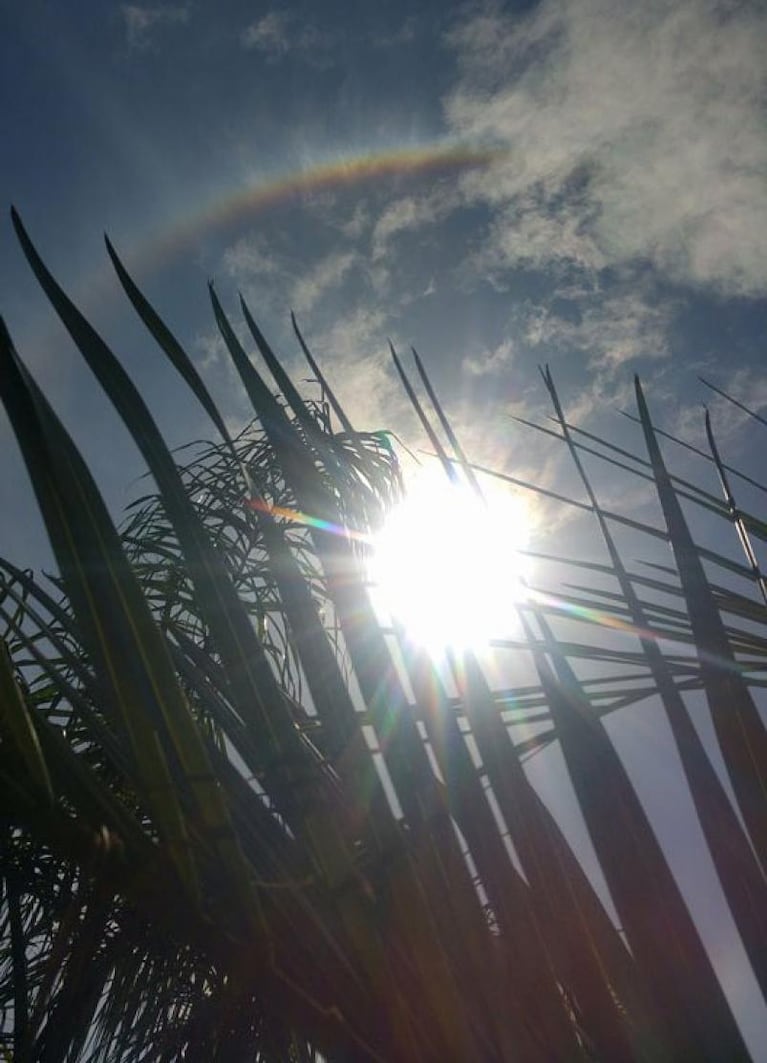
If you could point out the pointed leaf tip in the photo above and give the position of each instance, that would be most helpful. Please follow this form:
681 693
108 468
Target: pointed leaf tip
18 225
112 252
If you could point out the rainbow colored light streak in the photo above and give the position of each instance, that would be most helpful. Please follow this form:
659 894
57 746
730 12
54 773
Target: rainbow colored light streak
348 172
295 515
595 616
231 208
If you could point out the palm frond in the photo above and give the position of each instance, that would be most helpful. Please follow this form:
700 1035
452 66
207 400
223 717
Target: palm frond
246 819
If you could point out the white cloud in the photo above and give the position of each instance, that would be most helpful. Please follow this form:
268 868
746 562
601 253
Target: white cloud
400 215
263 273
616 328
727 419
281 31
356 223
278 280
141 23
546 462
349 344
602 393
408 214
209 351
278 33
214 362
252 257
268 34
354 356
633 132
489 361
404 34
326 275
536 232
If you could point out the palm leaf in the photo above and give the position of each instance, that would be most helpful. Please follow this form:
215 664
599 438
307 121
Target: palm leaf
735 402
735 514
252 682
738 725
15 723
559 889
741 878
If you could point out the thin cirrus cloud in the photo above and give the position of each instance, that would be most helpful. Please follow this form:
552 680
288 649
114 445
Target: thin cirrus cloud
632 174
636 132
280 32
612 329
352 350
496 360
280 279
607 328
143 23
350 343
325 276
268 34
408 213
252 256
744 384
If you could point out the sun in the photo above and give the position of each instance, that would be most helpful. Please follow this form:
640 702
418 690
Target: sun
448 565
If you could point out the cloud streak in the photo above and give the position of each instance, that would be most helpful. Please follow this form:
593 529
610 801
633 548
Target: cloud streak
610 329
325 276
486 362
280 33
268 34
634 133
143 23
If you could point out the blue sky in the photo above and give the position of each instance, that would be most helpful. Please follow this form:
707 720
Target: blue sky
619 227
579 182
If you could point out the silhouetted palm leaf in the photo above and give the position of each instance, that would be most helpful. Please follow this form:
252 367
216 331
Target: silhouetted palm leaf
223 834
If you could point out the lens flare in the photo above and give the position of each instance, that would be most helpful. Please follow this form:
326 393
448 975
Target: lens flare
447 566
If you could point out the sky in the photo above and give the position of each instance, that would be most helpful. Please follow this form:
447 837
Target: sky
581 183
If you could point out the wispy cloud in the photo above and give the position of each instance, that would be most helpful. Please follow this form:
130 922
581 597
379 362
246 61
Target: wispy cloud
212 357
325 276
268 34
404 34
281 279
488 361
143 23
355 224
353 353
407 214
538 230
634 132
727 419
600 395
610 329
251 257
280 32
262 273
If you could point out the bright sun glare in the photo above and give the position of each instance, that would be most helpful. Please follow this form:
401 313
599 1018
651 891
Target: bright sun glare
448 566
